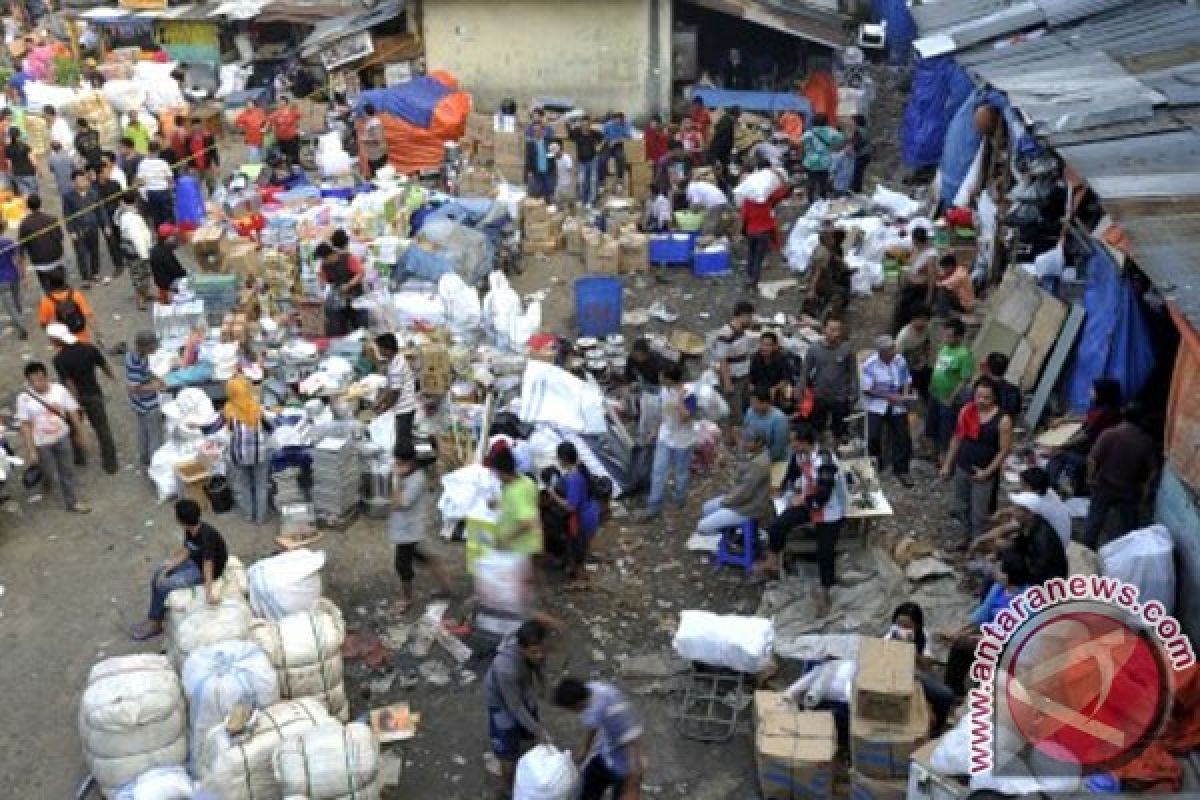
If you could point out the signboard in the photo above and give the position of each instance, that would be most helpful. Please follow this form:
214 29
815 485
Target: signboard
343 51
143 5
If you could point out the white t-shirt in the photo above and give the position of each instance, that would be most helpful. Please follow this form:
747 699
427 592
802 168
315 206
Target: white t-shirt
673 432
1051 508
400 379
48 427
703 194
60 132
155 174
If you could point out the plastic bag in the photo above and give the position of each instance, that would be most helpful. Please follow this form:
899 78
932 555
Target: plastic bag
546 773
161 783
463 312
900 205
124 96
1144 558
831 682
736 642
758 186
218 677
288 583
709 401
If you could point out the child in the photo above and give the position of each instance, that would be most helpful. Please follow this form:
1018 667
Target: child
407 523
658 213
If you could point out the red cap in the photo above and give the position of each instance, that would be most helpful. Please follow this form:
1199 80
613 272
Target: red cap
167 229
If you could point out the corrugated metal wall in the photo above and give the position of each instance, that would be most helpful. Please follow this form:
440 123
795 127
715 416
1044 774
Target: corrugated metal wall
1178 508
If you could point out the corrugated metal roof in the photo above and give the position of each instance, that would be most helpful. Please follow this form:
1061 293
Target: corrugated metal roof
1166 246
1161 121
788 16
331 30
1062 12
1004 18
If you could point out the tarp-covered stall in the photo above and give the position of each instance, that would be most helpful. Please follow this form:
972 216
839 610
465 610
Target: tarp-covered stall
419 117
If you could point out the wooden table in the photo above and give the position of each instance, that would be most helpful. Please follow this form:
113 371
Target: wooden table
858 519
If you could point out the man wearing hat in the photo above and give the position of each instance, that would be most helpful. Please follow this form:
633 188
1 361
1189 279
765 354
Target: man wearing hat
76 363
887 391
143 389
164 264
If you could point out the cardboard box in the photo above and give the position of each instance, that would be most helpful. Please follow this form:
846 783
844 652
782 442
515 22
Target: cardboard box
543 229
477 181
635 253
572 236
882 750
480 128
242 259
510 146
435 369
925 784
533 210
603 255
794 750
884 682
193 475
542 247
864 788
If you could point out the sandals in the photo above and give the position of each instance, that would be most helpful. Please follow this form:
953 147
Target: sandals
145 631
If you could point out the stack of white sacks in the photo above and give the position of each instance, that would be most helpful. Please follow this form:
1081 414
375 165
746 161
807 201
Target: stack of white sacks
155 727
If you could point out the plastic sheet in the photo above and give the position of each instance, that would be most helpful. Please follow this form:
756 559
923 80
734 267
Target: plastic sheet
735 642
939 89
1146 559
962 141
901 28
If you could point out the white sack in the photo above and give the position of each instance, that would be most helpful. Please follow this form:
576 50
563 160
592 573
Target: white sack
757 187
463 311
1144 558
161 783
220 676
800 245
306 651
230 586
830 682
900 205
328 762
201 624
972 180
546 773
556 397
735 642
38 95
239 767
952 754
124 96
286 584
502 589
132 718
466 491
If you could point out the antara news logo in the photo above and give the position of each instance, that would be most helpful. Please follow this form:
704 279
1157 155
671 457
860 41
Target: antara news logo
1073 678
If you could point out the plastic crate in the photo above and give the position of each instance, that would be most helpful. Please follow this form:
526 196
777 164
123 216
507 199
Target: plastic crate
708 264
598 305
672 248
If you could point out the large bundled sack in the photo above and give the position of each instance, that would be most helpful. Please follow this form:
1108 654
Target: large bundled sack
160 783
218 677
125 96
546 773
132 719
230 586
738 643
198 624
758 186
288 583
331 762
1146 559
237 766
306 651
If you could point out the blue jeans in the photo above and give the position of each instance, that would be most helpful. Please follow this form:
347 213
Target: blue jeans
185 575
25 184
939 424
717 518
587 182
669 461
251 489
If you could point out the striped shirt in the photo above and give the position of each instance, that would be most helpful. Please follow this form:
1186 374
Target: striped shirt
137 374
154 174
736 348
612 717
247 444
400 380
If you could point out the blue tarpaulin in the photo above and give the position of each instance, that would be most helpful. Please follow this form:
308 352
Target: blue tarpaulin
901 28
763 102
1116 339
412 102
962 141
940 86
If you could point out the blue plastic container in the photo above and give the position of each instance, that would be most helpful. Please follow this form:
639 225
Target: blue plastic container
714 263
338 192
189 201
598 305
672 248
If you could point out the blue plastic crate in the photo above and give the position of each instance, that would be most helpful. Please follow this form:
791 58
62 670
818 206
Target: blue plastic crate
712 263
598 305
672 248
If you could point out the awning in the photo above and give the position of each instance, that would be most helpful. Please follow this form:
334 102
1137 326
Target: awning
331 30
788 16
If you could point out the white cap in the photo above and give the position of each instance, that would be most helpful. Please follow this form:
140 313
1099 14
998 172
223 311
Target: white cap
59 332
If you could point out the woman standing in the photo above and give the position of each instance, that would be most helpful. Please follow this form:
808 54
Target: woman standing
982 441
249 454
577 501
407 523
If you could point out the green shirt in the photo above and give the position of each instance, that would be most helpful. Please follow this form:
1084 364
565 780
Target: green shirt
518 504
954 367
140 137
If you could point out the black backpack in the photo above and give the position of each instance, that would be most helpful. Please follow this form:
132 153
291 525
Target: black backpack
68 312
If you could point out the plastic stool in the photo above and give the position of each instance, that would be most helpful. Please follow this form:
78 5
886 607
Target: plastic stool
745 559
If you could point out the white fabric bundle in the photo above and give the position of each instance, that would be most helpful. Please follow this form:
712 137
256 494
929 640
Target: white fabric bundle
1146 559
160 783
230 586
132 718
286 584
330 762
124 96
831 682
739 643
239 767
306 651
758 186
218 677
546 773
197 624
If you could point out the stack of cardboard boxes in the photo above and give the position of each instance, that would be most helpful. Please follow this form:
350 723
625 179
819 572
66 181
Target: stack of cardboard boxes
541 227
794 749
601 252
641 170
435 368
509 155
889 719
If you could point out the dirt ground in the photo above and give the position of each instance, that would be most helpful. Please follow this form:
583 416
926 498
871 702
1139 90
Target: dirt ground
73 585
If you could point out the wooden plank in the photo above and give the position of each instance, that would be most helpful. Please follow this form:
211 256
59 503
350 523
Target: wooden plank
1054 366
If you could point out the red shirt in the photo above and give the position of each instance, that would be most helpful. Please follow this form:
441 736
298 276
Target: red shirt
286 123
197 151
251 122
703 120
657 143
179 143
760 217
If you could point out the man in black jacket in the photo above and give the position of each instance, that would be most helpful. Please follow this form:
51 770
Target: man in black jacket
87 145
539 162
720 148
41 241
587 142
84 216
110 193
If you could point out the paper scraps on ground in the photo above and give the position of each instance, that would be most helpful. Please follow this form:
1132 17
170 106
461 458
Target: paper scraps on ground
703 542
771 289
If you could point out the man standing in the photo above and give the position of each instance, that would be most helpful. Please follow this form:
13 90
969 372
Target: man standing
46 412
199 561
202 147
616 132
341 279
84 217
285 122
887 390
374 140
913 342
1121 468
676 438
587 142
165 268
87 145
819 143
519 528
252 122
41 238
720 149
831 375
761 228
20 161
511 687
699 117
539 163
611 757
60 129
952 369
76 363
156 179
137 133
400 394
129 158
143 389
733 351
110 191
62 166
136 244
12 275
67 306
